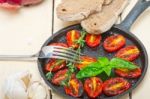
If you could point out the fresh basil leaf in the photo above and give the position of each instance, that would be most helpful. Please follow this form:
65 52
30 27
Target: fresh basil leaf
89 72
103 61
107 70
120 63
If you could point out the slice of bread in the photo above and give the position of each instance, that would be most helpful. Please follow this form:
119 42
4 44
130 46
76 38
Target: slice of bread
76 10
104 20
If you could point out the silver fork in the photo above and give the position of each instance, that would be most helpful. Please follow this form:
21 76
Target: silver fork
57 52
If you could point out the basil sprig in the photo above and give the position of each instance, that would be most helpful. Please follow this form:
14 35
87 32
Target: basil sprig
104 65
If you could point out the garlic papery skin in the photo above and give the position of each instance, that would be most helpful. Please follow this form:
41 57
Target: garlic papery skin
15 86
38 90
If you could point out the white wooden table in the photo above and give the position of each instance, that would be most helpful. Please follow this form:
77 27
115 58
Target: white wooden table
25 31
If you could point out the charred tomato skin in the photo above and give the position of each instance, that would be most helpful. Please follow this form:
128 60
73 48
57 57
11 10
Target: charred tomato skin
85 60
71 37
75 88
59 76
115 86
114 42
128 53
93 40
52 62
93 87
129 73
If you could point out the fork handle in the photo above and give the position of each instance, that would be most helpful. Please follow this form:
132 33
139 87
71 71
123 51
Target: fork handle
18 57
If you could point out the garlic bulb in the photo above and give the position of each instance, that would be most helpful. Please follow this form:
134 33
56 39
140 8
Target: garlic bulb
37 91
21 86
15 86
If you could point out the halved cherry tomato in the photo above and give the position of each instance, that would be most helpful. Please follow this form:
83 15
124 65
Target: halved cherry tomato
85 60
115 86
114 43
128 73
128 53
93 40
93 86
59 76
71 38
56 64
75 88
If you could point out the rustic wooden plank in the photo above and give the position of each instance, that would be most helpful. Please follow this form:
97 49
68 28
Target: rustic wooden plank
23 32
26 29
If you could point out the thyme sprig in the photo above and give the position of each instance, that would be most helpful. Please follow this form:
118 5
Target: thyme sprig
49 74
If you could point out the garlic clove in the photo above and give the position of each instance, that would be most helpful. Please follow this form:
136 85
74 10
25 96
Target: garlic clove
15 90
15 86
37 91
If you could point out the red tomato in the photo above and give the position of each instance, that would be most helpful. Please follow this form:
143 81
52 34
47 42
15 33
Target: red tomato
71 38
128 73
85 60
114 43
75 88
59 76
93 40
56 64
93 87
115 86
128 53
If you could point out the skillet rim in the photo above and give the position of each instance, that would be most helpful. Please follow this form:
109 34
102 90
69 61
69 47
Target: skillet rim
114 27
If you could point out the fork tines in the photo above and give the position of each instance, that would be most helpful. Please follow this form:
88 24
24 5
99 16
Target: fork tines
60 52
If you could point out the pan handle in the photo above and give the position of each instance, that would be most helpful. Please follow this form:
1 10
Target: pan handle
140 6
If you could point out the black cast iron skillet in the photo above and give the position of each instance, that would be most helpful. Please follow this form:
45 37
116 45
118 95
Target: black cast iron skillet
122 29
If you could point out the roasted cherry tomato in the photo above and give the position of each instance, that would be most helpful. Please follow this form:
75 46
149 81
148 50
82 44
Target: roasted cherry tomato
115 86
128 53
56 64
59 76
71 38
114 43
93 40
128 73
85 60
93 87
75 88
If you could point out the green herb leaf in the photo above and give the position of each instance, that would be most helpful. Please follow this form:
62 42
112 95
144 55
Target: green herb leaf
103 61
49 75
120 63
89 72
107 70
